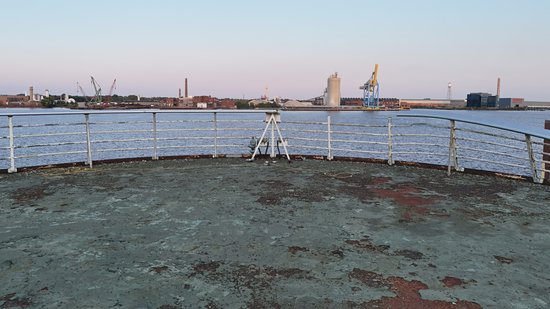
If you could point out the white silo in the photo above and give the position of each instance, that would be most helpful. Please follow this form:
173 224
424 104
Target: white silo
333 91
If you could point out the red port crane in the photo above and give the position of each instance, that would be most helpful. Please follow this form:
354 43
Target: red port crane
110 95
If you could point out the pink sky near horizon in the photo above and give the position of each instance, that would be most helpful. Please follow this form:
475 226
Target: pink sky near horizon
237 49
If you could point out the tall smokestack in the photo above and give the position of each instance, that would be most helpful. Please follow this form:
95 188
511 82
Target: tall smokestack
498 87
186 93
179 94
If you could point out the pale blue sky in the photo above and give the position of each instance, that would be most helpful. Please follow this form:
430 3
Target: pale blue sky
236 48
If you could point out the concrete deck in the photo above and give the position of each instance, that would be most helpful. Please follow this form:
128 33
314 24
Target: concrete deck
227 233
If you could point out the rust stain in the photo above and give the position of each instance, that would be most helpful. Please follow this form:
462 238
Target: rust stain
296 249
407 293
158 269
410 254
380 180
452 282
287 273
338 252
367 244
10 301
167 307
408 198
24 195
503 260
208 267
369 278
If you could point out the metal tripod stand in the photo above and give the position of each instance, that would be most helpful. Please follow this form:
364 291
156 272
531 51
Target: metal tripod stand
272 118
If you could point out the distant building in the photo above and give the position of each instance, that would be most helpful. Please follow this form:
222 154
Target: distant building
297 104
425 103
169 101
320 100
390 102
185 102
227 104
481 100
351 102
532 105
6 99
204 101
504 103
458 103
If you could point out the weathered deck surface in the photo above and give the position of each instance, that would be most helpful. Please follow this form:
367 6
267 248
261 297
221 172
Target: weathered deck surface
230 234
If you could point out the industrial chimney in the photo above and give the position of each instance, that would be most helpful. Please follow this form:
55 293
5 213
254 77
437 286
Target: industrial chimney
31 93
186 93
498 87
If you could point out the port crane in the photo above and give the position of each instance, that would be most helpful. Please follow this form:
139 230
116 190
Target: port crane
98 98
82 91
371 90
110 96
97 89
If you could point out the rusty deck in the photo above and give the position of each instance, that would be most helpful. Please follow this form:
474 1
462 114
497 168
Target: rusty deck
227 233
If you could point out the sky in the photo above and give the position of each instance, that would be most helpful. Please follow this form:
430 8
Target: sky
238 48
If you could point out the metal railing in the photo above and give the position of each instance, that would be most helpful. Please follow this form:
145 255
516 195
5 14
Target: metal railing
31 139
442 141
97 135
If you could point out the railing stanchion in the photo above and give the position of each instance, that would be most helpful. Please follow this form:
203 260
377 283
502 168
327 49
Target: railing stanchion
215 135
329 139
12 168
390 142
545 162
155 146
532 160
453 161
273 139
88 140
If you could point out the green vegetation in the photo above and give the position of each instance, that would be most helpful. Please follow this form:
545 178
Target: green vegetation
48 102
242 104
267 105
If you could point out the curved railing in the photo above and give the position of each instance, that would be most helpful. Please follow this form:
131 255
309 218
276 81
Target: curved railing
37 139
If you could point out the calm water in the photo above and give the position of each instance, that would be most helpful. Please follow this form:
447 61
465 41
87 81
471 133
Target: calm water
521 120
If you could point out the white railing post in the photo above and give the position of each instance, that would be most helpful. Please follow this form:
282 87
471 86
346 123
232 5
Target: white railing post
390 142
215 135
273 141
532 160
88 140
12 168
545 162
155 146
453 161
329 139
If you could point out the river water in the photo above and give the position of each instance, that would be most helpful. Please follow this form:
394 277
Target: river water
524 121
